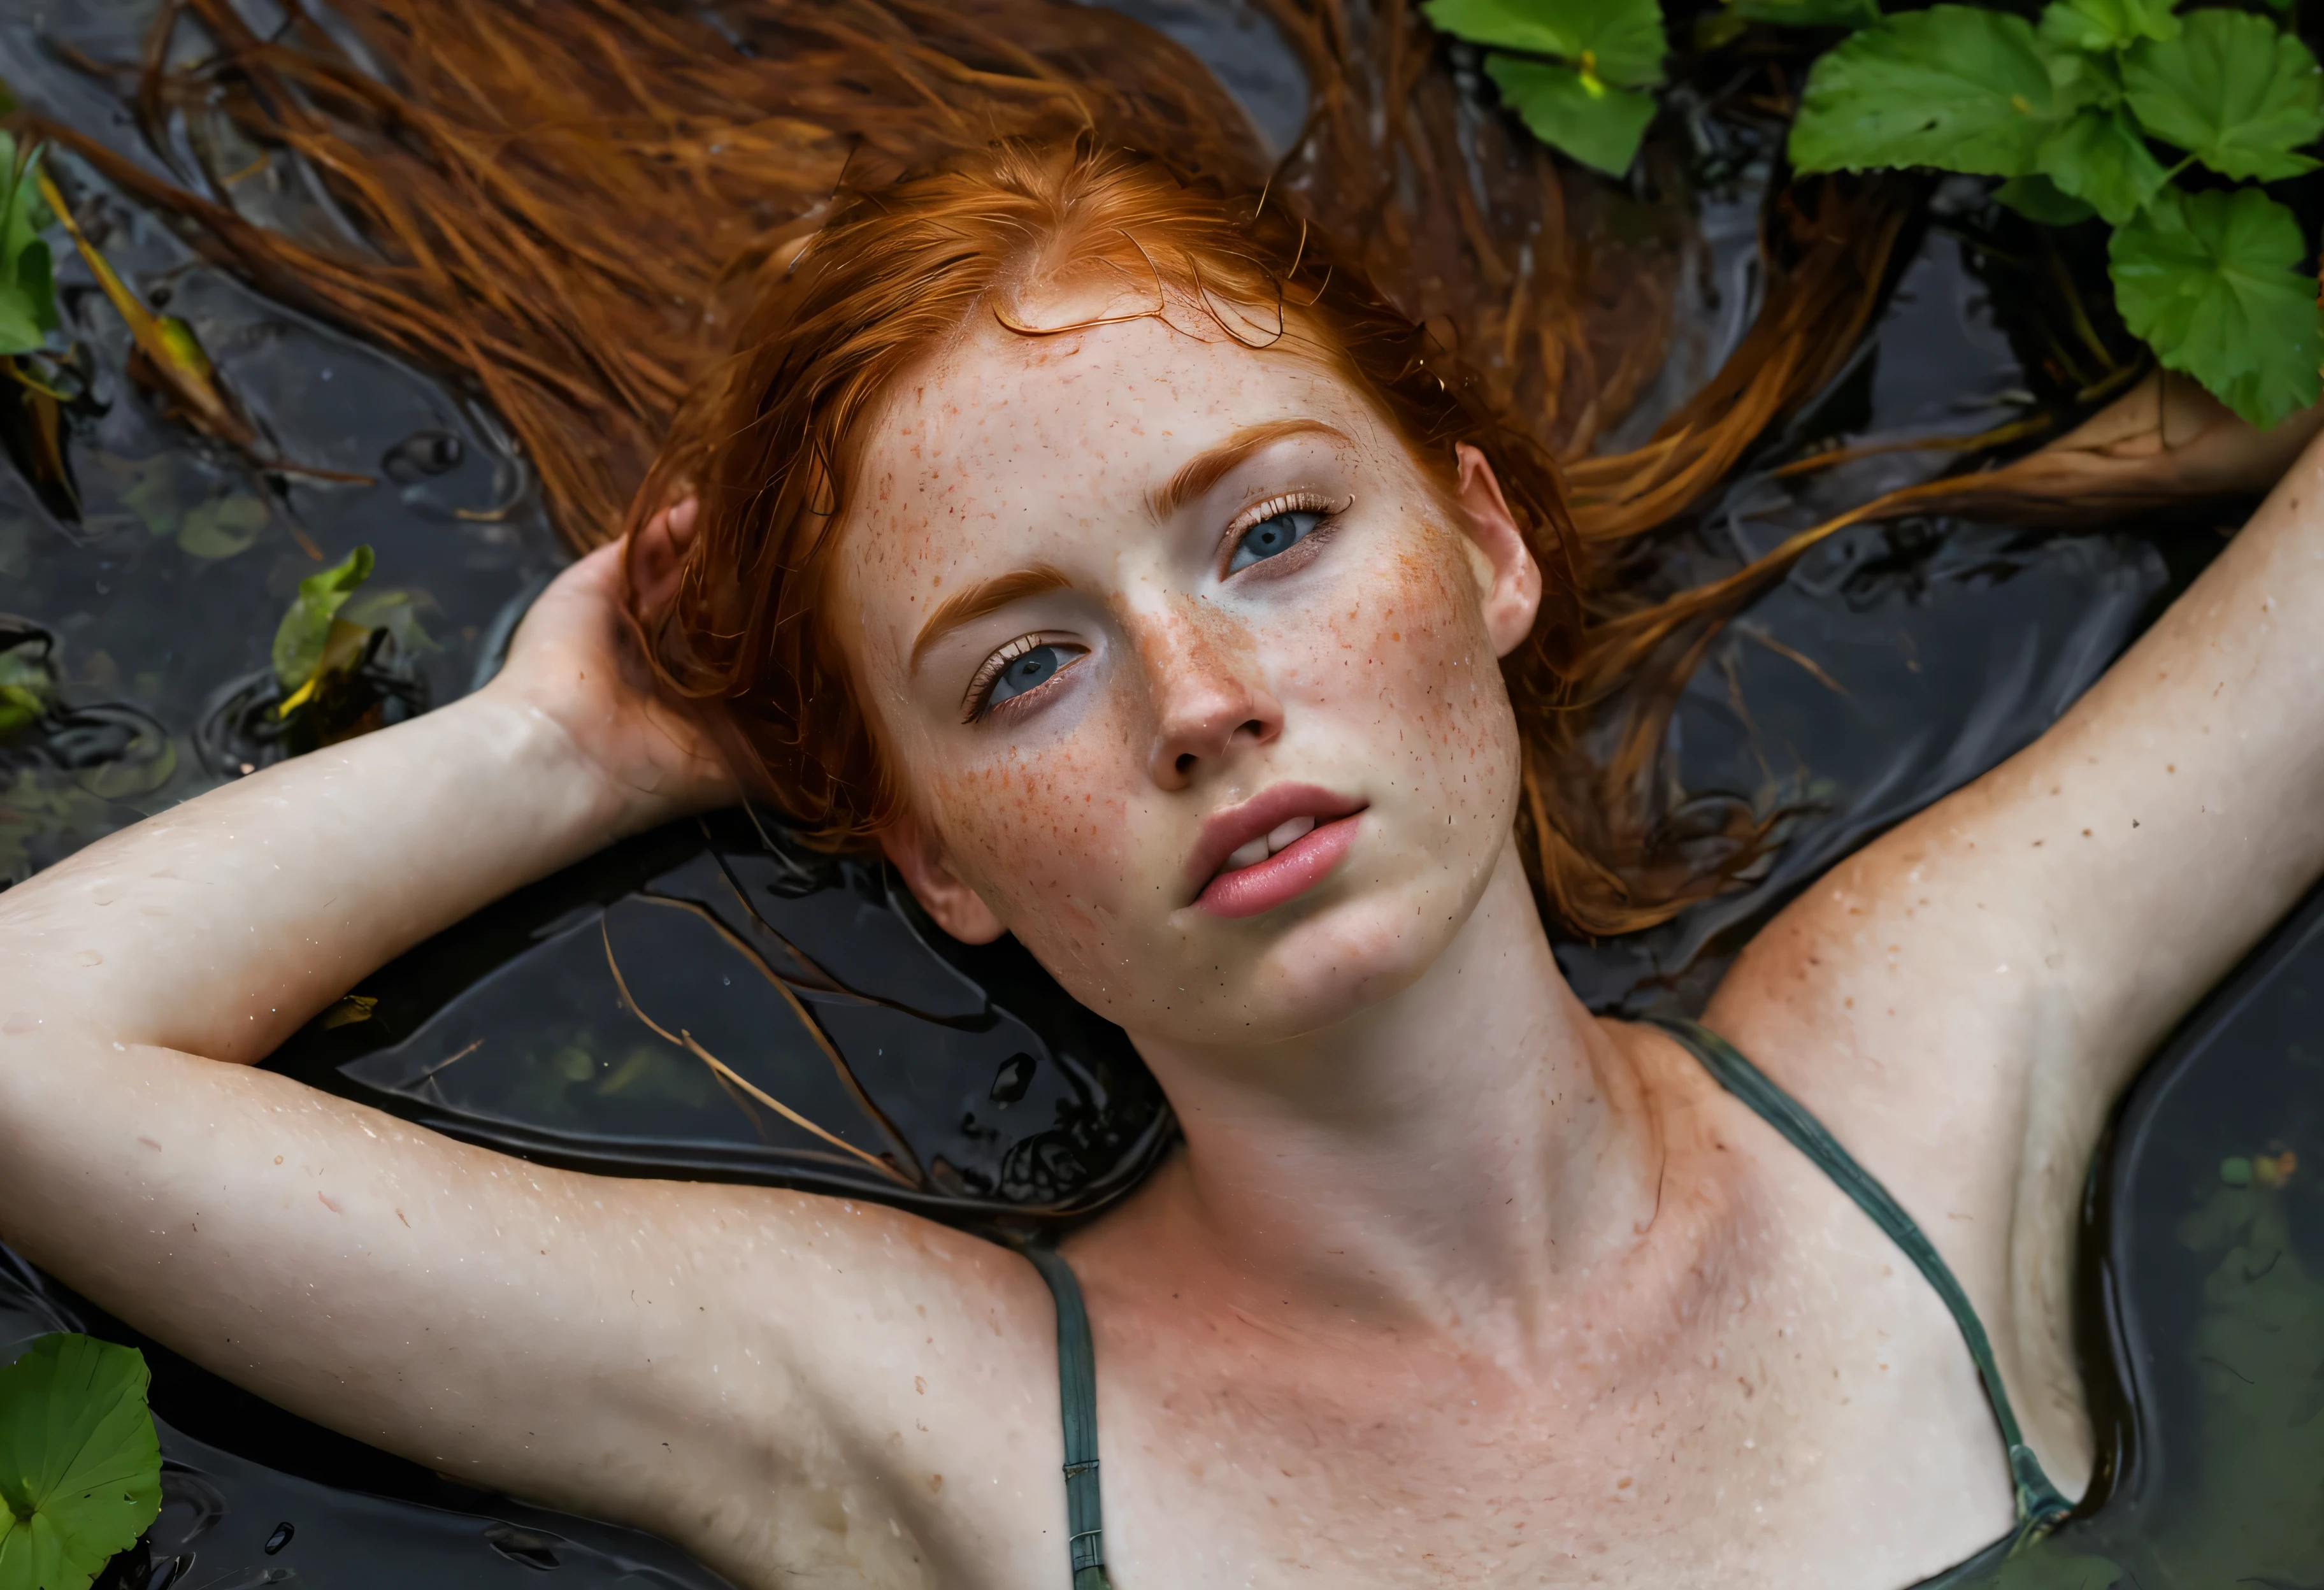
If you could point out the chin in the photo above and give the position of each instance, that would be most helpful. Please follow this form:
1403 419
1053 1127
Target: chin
1358 945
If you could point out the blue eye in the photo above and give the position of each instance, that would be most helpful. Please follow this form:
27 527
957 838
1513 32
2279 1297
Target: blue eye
1028 671
1268 536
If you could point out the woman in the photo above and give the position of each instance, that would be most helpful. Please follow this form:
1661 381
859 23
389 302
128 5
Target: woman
1095 541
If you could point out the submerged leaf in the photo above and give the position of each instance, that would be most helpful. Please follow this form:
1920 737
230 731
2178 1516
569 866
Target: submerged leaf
2211 281
2100 157
2107 24
306 629
1954 87
1615 41
80 1465
222 527
2234 91
1597 126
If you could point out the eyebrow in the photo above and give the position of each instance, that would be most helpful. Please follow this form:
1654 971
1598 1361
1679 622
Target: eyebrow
965 607
1205 470
1196 476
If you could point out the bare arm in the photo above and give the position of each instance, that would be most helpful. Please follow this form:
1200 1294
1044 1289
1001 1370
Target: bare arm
1965 1000
647 1350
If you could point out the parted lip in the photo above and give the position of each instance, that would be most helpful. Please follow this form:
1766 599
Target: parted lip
1228 829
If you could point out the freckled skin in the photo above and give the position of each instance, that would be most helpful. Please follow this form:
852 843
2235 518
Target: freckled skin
1367 670
1449 1282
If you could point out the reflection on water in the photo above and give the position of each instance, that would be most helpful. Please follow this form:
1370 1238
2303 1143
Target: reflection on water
791 1019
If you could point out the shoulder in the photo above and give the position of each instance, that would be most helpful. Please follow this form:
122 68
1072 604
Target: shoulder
843 1360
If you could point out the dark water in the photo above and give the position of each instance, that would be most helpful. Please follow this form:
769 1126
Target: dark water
1898 664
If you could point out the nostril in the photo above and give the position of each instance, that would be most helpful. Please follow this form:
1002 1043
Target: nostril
1186 764
1254 728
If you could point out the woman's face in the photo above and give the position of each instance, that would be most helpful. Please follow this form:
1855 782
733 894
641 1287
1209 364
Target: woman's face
1188 671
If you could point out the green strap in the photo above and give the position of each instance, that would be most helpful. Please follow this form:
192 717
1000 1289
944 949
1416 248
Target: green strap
1077 1393
2040 1505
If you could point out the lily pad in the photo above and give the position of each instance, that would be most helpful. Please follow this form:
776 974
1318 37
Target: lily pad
222 527
80 1465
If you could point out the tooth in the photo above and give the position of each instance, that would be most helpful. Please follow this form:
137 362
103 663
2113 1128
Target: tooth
1284 834
1250 855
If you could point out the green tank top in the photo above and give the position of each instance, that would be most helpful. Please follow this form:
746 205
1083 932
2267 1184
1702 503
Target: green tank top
2039 1506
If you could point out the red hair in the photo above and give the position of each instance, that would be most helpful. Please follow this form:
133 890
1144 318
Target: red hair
590 209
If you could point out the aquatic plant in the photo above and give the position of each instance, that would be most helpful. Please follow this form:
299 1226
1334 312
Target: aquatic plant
81 1463
313 641
2069 112
28 285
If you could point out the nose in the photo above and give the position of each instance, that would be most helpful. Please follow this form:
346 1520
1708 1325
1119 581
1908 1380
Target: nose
1208 698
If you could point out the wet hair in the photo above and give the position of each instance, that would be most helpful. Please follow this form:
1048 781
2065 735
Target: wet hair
682 249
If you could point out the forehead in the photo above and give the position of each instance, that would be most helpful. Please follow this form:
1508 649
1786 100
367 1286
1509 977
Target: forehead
1040 437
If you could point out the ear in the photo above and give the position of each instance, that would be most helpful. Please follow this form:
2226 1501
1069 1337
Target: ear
919 855
1510 578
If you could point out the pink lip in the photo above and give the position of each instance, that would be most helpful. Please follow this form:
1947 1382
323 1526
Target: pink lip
1291 870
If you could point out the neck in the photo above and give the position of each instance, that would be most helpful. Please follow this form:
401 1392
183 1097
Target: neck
1473 1139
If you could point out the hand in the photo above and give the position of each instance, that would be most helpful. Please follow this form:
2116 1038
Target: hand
2164 440
575 660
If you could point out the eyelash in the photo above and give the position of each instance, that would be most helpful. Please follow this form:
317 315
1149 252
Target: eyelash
1259 513
973 703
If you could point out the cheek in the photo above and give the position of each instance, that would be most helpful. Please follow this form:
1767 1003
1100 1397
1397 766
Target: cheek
1407 654
1044 841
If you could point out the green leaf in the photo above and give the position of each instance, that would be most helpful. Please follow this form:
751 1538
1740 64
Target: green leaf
80 1466
1952 87
2100 157
1810 14
2107 24
2234 91
298 642
2038 199
1617 41
28 290
222 527
1597 126
2211 281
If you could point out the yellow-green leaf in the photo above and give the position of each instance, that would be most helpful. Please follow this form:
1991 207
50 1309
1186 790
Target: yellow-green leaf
305 630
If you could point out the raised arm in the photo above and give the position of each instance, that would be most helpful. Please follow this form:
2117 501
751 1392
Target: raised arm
1964 1000
623 1347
